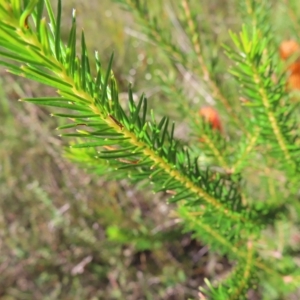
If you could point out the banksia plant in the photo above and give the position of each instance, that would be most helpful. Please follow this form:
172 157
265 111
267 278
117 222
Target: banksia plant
237 189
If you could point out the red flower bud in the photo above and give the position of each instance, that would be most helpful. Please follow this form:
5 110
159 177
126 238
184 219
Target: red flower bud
211 116
286 50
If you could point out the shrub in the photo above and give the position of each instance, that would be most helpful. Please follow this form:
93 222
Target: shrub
236 188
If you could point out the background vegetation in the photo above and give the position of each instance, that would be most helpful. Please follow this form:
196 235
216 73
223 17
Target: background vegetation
65 234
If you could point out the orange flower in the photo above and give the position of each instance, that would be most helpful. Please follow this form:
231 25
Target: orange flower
294 81
294 68
286 50
211 116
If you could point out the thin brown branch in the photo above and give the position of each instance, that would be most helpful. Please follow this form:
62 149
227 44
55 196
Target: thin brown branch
216 92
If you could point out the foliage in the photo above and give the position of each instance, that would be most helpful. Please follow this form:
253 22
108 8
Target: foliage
231 188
